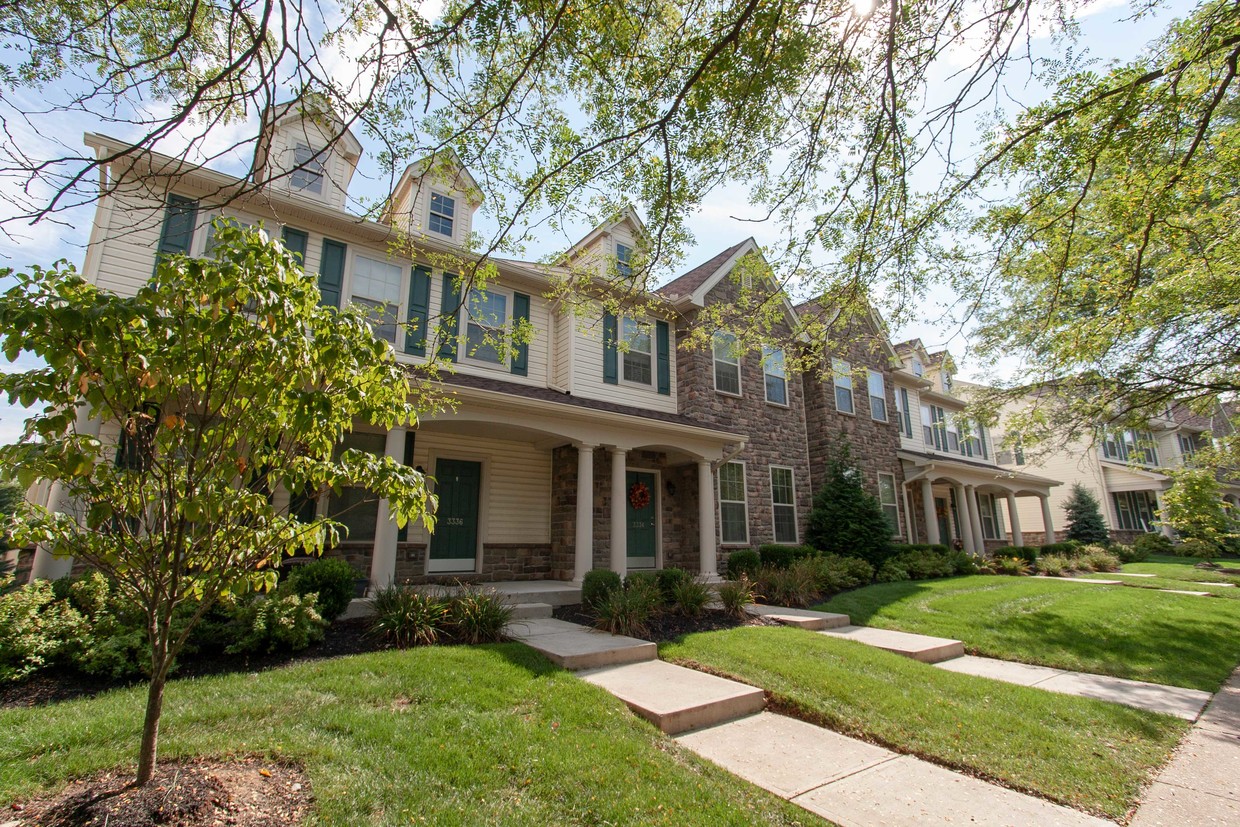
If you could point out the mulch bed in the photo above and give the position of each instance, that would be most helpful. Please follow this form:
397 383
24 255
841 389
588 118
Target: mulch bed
668 626
199 793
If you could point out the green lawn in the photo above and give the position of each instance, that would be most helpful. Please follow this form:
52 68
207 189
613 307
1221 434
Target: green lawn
1110 630
1180 573
452 735
1088 754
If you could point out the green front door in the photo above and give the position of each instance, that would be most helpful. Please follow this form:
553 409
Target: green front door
454 545
642 511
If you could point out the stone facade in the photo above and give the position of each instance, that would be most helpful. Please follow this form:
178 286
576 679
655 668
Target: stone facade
775 434
872 443
500 561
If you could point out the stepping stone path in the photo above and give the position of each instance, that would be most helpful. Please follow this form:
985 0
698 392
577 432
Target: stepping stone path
801 618
572 646
1077 580
1132 574
1220 585
676 699
918 647
1191 594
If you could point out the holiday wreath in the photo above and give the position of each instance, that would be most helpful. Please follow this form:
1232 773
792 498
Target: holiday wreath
639 496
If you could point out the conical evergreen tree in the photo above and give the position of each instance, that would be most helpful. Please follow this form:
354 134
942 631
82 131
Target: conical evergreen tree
1085 521
846 519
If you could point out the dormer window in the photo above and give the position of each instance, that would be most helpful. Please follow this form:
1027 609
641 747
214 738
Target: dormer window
947 382
307 175
624 260
442 214
918 369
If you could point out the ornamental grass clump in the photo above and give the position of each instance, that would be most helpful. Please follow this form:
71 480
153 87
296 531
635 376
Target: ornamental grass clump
478 615
406 617
1052 565
628 611
689 597
794 586
735 596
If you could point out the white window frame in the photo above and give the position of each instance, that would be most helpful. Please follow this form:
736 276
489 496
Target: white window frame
716 361
904 412
870 376
641 324
988 506
624 264
402 289
796 530
768 374
919 370
504 347
744 503
1187 444
431 212
314 167
895 500
841 380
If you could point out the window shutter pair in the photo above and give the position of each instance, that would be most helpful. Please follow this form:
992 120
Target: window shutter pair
611 353
450 306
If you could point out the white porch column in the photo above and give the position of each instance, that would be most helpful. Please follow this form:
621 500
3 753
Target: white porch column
1014 519
910 527
1167 530
706 521
583 550
45 566
619 533
964 518
1047 522
975 518
932 521
383 558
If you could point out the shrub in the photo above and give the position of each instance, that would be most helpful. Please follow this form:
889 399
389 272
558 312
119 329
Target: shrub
735 596
962 562
36 629
669 579
648 582
406 617
892 572
924 565
794 586
846 519
690 597
479 615
115 643
1085 523
1068 548
627 611
744 563
1099 559
1194 547
1013 566
282 620
1153 543
781 557
1129 554
833 573
596 585
1029 554
331 578
938 548
1052 565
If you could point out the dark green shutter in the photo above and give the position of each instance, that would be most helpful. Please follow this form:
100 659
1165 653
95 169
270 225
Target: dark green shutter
419 310
402 535
331 273
449 307
296 242
663 361
521 352
611 374
177 233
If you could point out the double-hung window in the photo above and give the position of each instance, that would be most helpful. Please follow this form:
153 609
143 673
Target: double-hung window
904 416
307 175
733 519
624 260
1188 445
887 498
208 248
937 432
975 444
376 286
776 375
637 357
842 379
1134 510
989 517
878 396
486 325
357 509
727 363
442 214
783 504
919 370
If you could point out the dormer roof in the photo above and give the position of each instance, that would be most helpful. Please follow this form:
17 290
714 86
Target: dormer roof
310 109
627 216
447 164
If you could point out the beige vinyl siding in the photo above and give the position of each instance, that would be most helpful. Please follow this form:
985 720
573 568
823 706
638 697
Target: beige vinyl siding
280 160
1077 463
126 256
588 369
562 374
918 441
516 482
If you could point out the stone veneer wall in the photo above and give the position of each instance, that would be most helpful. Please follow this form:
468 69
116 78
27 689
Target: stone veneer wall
775 433
500 561
873 444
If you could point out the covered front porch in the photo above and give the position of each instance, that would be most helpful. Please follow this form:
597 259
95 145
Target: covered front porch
972 503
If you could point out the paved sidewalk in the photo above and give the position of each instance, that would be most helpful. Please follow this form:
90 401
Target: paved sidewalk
1201 785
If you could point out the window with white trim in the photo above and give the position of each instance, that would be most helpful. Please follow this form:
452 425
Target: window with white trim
486 325
878 396
1188 444
904 416
638 357
727 363
733 517
919 369
308 168
376 286
989 517
776 375
624 259
784 504
842 380
976 444
889 501
1134 510
938 432
442 214
1130 446
357 508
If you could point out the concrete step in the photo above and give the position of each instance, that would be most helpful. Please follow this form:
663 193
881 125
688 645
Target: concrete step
801 618
575 647
918 647
551 592
530 611
676 699
1077 580
1182 591
1131 574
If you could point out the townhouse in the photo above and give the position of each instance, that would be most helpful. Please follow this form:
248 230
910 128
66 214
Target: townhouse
600 439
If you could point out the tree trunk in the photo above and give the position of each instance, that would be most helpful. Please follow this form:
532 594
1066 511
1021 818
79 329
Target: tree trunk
150 727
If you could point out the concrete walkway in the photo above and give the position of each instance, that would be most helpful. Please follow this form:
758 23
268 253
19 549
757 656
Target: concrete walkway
1201 785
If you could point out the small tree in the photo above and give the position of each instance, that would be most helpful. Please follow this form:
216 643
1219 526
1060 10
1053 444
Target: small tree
227 380
1085 521
846 519
1194 507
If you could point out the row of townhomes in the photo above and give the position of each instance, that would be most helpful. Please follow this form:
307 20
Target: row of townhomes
603 441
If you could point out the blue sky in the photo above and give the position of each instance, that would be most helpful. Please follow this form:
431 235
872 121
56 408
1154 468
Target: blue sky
1106 33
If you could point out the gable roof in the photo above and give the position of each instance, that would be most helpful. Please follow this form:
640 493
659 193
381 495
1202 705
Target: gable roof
627 215
688 283
816 307
313 109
